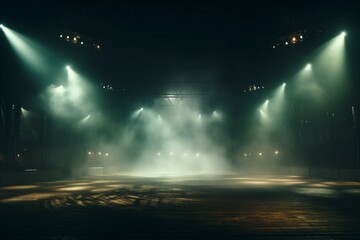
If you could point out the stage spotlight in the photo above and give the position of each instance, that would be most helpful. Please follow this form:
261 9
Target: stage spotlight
284 84
99 153
68 67
1 26
308 66
343 34
141 109
89 153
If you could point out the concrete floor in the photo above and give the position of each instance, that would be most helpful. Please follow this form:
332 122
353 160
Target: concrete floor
192 207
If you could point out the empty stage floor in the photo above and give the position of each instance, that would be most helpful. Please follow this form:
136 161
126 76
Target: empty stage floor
192 207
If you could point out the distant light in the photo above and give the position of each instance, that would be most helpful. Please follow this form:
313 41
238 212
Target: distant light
82 43
68 67
141 109
171 153
185 154
60 35
18 155
308 66
301 37
284 84
245 155
286 43
274 46
293 39
67 37
158 154
267 101
260 154
197 154
276 152
99 153
98 46
106 154
89 153
343 34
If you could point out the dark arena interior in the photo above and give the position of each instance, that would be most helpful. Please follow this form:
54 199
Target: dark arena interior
179 120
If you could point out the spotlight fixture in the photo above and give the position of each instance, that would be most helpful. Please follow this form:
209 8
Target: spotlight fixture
1 25
68 67
343 34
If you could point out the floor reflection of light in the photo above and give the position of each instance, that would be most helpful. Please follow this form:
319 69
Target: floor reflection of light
257 182
354 191
78 188
33 197
319 192
20 187
101 189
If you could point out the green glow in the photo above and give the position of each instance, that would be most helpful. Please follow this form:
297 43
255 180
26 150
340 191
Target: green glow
27 50
331 62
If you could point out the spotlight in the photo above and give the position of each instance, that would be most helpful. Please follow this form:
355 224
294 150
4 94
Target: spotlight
260 154
99 153
301 37
68 67
276 152
89 153
141 109
107 154
286 43
308 66
267 101
60 35
343 34
284 84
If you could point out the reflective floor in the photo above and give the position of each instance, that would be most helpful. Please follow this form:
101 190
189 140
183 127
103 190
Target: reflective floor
226 206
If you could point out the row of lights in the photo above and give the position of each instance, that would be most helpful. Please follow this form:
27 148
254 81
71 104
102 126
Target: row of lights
293 39
184 154
77 39
254 88
260 154
99 153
